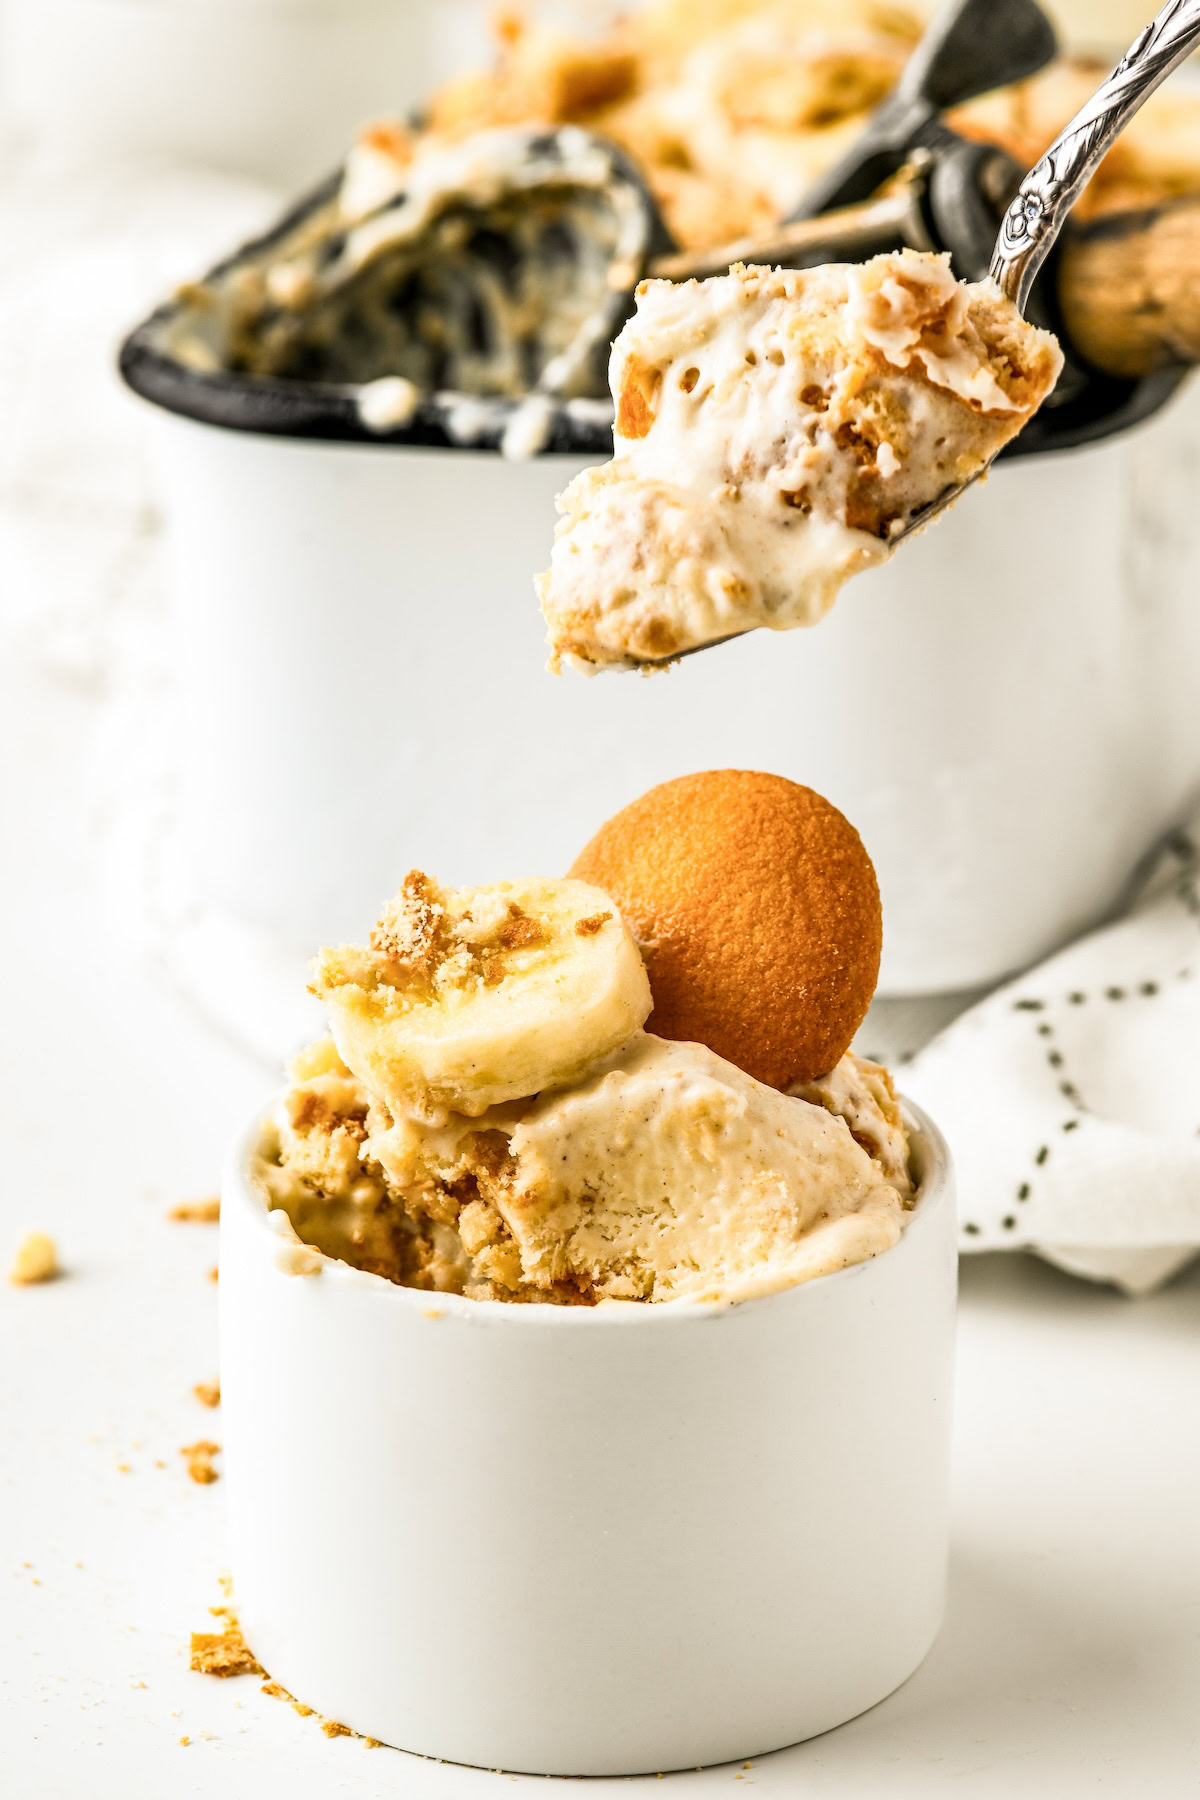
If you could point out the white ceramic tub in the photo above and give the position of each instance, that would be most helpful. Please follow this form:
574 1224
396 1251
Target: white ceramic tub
1005 712
588 1542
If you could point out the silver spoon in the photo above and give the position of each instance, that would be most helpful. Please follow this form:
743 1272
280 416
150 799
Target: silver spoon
1042 203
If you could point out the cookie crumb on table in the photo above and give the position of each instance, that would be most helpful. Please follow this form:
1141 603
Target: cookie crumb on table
196 1212
35 1259
199 1460
208 1393
331 1727
223 1653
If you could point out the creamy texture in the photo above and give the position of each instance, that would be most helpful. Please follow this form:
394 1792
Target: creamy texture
489 267
388 403
775 431
664 1174
672 1175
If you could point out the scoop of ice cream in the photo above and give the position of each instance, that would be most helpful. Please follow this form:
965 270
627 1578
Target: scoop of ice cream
757 911
671 1174
776 430
665 1174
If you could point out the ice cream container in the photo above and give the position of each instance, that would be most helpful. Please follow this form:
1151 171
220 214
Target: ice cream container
1003 710
587 1541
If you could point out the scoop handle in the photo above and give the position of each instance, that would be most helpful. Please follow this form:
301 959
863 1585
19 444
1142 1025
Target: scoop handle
1042 202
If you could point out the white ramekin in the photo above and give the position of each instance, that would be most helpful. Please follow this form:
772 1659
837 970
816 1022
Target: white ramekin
582 1542
1005 711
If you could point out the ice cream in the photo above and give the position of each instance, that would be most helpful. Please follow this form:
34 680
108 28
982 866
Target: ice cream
490 1116
426 260
776 430
665 1173
482 267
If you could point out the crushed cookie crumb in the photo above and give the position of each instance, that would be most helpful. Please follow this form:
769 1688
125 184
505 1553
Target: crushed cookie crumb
223 1653
34 1260
331 1727
185 1740
196 1212
208 1393
589 927
409 928
519 931
214 1274
199 1460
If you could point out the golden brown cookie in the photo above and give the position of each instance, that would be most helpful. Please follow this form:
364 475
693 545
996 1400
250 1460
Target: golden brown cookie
757 911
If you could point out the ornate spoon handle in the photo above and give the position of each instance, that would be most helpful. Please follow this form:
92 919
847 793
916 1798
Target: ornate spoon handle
1048 192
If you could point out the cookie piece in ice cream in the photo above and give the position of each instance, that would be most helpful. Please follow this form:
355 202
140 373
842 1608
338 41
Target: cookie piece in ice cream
757 911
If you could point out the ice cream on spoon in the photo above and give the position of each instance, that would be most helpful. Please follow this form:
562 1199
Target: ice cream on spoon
778 431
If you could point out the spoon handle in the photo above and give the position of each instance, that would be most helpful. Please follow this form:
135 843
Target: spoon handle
1045 197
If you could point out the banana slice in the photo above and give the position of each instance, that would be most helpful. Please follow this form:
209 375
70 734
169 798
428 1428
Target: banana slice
469 997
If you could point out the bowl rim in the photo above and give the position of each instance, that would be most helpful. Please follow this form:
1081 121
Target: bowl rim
270 406
935 1195
328 411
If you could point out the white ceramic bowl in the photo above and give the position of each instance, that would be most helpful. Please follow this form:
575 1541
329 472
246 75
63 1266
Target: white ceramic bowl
1005 711
588 1542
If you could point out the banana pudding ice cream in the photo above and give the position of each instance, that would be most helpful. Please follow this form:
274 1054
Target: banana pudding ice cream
776 431
491 1116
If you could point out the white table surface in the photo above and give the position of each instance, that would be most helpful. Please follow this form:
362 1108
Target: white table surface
1070 1660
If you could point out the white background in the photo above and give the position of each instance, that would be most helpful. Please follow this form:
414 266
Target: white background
1070 1661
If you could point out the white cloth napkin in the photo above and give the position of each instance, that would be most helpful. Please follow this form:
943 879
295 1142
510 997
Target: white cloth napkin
1071 1097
